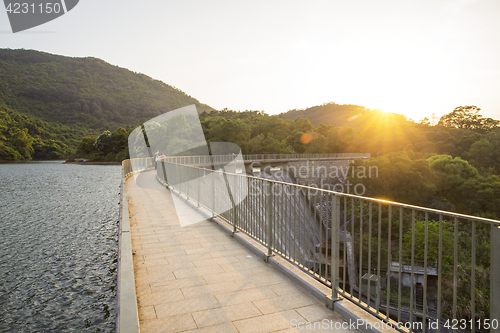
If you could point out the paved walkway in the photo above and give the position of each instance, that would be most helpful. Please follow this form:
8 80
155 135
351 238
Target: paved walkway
198 279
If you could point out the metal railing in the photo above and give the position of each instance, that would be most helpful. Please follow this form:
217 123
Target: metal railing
347 242
222 159
137 165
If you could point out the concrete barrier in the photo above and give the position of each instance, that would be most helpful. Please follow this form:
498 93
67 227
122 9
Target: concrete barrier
128 318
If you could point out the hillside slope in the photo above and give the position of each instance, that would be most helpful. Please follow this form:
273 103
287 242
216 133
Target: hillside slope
338 115
83 91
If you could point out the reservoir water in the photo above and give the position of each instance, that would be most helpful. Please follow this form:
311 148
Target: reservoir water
58 247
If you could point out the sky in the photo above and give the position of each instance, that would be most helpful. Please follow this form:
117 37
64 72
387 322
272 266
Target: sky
413 57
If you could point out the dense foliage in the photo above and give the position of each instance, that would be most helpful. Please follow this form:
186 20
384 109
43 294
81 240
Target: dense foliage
50 102
25 138
85 91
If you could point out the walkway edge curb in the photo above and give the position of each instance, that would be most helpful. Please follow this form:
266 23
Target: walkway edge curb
127 320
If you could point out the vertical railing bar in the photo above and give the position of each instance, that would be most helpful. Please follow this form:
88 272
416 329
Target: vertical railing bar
198 189
309 229
212 172
388 273
360 250
288 223
353 255
304 233
235 197
473 278
295 237
344 249
369 282
400 260
264 202
322 225
320 218
335 249
412 284
455 269
282 231
252 207
426 245
332 270
379 254
440 262
317 234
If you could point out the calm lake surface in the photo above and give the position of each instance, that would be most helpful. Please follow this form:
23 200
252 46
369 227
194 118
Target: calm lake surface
58 247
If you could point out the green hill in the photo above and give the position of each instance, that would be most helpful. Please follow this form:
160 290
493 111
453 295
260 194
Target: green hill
77 97
85 91
338 115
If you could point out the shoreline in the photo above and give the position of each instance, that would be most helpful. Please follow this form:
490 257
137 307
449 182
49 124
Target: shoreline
63 162
94 163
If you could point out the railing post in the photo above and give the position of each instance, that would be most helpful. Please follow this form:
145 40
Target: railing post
495 274
164 172
235 216
198 189
213 192
335 251
269 218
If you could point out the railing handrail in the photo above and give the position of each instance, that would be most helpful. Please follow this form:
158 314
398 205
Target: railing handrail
205 159
381 201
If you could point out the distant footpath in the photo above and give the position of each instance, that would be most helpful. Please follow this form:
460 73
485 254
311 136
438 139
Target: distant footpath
83 161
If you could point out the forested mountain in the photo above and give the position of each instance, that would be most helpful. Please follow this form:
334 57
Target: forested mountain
340 115
74 96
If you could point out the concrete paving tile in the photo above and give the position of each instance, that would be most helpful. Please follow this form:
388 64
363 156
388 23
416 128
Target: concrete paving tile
186 306
213 289
239 265
214 261
142 289
156 298
268 323
225 314
161 244
150 279
145 264
171 267
225 276
281 303
200 256
225 253
245 295
221 328
316 312
205 249
190 240
286 288
168 325
187 272
143 252
189 282
146 313
192 246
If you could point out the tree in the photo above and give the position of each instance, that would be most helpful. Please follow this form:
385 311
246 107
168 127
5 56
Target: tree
468 117
432 243
396 177
103 143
